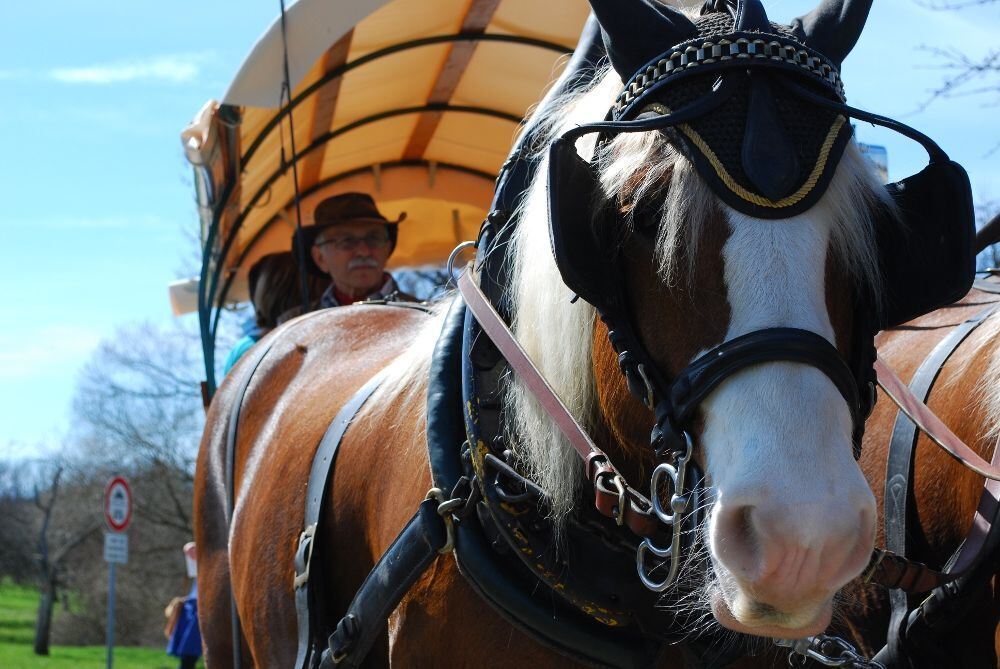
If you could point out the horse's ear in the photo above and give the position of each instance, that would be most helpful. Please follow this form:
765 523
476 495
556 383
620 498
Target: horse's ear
834 27
636 31
750 15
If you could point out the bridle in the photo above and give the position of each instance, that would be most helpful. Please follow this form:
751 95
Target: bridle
738 62
674 402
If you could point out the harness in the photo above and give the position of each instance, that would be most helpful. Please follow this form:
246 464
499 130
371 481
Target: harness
915 633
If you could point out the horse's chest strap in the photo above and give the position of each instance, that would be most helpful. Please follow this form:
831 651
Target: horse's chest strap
428 533
316 492
420 542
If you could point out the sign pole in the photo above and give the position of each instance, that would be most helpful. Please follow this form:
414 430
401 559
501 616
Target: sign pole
118 516
111 613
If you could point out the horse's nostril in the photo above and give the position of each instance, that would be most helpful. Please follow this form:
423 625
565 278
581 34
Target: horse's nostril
738 544
783 553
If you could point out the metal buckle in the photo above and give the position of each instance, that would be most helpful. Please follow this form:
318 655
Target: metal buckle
305 550
680 502
869 572
649 386
830 651
619 484
445 509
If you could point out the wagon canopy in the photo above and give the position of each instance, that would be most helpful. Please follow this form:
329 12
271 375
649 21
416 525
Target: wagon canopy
414 101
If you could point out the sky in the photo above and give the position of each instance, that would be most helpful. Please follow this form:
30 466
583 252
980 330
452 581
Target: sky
99 209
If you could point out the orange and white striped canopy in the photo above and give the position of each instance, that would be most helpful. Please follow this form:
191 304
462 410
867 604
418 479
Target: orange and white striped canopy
414 101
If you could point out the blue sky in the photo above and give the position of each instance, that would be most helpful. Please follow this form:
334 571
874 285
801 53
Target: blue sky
98 209
99 212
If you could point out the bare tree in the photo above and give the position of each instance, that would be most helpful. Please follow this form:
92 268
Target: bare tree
137 412
18 520
138 400
51 557
965 74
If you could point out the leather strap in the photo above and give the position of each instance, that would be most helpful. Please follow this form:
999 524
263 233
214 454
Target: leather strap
416 547
893 569
316 492
704 375
610 490
930 424
255 356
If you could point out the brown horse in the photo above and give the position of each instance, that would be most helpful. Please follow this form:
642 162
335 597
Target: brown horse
792 518
945 494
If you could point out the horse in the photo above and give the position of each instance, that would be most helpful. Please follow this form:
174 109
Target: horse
944 496
774 293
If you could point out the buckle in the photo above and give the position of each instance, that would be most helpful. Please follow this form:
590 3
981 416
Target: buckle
445 509
303 556
619 484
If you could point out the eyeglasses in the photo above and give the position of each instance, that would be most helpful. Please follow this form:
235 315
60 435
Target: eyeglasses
373 240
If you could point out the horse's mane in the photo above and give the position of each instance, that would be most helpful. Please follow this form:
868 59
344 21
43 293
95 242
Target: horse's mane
558 334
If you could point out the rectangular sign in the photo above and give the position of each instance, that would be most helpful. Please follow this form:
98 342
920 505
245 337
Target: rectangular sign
116 547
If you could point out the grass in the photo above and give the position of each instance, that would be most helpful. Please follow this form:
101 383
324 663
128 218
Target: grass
18 607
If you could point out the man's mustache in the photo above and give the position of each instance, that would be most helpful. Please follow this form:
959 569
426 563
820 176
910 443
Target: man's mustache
364 261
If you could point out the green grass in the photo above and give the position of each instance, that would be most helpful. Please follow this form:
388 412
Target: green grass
18 607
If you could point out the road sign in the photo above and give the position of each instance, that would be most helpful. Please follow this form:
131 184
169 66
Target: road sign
116 547
117 504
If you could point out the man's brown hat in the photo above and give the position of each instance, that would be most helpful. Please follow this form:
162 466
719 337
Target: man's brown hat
343 208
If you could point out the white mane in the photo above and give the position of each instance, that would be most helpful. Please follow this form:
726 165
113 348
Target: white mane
558 335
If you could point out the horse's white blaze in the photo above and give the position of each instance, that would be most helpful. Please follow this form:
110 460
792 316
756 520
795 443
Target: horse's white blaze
792 509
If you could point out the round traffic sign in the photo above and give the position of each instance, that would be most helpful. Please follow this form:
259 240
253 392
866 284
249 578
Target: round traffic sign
117 504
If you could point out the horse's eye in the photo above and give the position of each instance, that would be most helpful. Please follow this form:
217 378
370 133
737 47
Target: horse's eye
646 220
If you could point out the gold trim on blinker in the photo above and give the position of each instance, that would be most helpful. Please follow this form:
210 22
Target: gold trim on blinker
740 191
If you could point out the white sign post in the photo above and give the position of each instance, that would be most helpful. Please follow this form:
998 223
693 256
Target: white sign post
118 516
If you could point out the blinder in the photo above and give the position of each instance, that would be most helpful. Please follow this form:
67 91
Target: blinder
925 243
929 258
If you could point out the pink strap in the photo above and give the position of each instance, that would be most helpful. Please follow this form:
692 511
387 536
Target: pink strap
930 424
519 361
613 497
941 435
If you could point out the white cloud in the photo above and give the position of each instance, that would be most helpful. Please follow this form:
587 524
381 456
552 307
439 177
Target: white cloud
113 222
35 352
176 69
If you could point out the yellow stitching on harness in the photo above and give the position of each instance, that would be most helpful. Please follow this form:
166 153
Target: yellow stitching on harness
738 190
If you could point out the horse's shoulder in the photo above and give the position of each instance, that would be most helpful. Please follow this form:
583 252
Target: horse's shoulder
356 327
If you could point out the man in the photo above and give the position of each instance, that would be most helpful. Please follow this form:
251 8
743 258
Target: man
349 243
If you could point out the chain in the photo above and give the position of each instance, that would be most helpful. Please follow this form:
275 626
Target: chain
830 651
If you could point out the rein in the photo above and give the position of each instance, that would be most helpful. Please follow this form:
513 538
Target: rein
614 498
930 424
